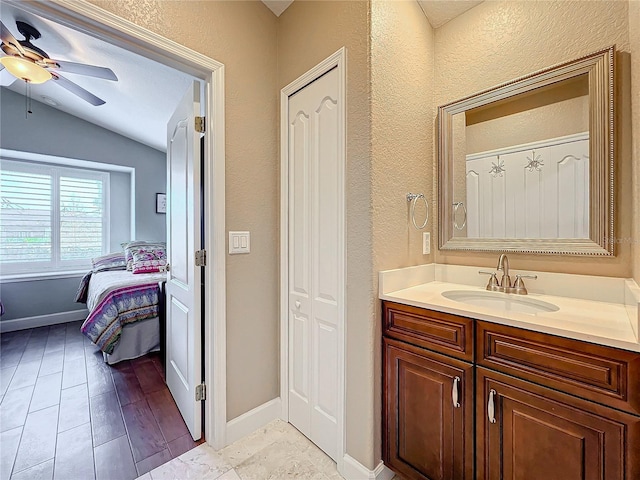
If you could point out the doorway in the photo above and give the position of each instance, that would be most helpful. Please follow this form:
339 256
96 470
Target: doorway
108 27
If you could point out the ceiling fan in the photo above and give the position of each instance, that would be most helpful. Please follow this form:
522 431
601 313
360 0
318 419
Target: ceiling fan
27 62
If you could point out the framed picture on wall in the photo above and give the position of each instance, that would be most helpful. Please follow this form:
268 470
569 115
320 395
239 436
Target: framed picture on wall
161 203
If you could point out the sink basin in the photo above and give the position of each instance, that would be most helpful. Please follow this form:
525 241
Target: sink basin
501 301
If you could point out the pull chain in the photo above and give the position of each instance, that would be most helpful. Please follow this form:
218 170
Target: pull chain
28 99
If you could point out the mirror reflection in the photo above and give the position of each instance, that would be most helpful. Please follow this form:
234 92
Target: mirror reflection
521 165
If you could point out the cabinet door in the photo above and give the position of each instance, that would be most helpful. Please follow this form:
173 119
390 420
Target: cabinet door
540 433
426 436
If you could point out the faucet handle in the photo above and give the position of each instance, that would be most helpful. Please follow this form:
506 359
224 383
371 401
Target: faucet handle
518 284
519 275
493 280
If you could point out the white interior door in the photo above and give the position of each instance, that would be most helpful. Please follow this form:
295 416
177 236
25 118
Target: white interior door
315 266
184 352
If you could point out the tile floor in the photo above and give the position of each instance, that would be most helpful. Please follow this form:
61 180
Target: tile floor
277 451
65 414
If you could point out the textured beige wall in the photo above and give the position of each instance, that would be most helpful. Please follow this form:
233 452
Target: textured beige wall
498 41
402 144
308 32
242 35
634 42
401 129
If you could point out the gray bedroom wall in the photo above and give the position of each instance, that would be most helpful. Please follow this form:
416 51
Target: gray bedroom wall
120 208
40 297
52 132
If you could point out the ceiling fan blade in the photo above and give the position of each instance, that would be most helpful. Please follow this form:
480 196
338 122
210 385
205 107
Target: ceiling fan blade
83 69
6 79
7 37
77 90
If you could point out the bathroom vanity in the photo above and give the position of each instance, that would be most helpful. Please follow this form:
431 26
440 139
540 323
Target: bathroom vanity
477 392
498 380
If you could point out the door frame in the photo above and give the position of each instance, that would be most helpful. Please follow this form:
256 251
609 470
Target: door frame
337 60
92 20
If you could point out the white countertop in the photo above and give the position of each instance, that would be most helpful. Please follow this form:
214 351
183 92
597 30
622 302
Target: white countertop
605 323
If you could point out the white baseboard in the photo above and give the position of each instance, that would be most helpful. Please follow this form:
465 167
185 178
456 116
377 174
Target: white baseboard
42 320
354 470
251 421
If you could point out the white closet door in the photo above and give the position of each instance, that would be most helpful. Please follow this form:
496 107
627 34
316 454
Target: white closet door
184 352
314 267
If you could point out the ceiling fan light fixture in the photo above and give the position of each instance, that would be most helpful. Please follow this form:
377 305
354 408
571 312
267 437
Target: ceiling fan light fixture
25 69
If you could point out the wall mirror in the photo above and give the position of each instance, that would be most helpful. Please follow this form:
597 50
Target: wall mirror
527 166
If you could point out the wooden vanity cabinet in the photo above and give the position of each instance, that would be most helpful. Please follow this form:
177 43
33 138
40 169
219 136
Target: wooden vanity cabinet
595 372
542 406
428 426
428 413
571 413
437 331
529 432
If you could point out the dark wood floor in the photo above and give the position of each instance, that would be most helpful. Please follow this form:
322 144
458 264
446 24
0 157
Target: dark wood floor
65 414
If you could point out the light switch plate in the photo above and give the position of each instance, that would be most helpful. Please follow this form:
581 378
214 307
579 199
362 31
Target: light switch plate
239 242
426 243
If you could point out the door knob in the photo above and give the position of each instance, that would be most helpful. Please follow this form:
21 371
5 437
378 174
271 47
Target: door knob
298 304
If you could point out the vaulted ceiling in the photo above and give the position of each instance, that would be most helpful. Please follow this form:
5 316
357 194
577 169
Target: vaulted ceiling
137 106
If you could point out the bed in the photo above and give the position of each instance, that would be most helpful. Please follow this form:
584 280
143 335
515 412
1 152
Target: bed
125 312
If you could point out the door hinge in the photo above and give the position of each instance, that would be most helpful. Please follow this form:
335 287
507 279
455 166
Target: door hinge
200 124
201 258
201 392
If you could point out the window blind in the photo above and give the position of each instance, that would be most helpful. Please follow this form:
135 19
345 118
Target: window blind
25 217
81 215
52 218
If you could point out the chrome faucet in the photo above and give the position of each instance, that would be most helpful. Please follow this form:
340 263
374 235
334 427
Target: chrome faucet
503 264
505 285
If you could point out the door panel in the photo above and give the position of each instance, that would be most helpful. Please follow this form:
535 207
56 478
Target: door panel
314 264
299 204
326 372
326 202
540 433
300 370
177 200
183 289
428 437
179 340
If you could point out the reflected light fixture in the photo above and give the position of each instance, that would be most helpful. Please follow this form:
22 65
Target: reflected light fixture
25 69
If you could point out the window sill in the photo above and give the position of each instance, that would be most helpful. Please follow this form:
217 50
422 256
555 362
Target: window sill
31 277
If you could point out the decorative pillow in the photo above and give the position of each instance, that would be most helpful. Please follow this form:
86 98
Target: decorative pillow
131 247
110 261
149 259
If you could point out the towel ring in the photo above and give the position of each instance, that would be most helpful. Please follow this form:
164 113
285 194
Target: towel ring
456 206
413 198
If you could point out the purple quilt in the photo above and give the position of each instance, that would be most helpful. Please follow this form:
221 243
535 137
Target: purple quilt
120 307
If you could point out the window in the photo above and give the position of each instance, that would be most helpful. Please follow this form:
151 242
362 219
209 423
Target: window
52 218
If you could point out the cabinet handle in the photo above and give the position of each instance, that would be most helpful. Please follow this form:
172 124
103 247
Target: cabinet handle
491 412
454 392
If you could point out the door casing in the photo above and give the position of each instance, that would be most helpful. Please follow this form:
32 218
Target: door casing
92 20
337 60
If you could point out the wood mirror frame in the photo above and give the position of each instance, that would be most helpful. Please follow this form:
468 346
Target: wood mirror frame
599 67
